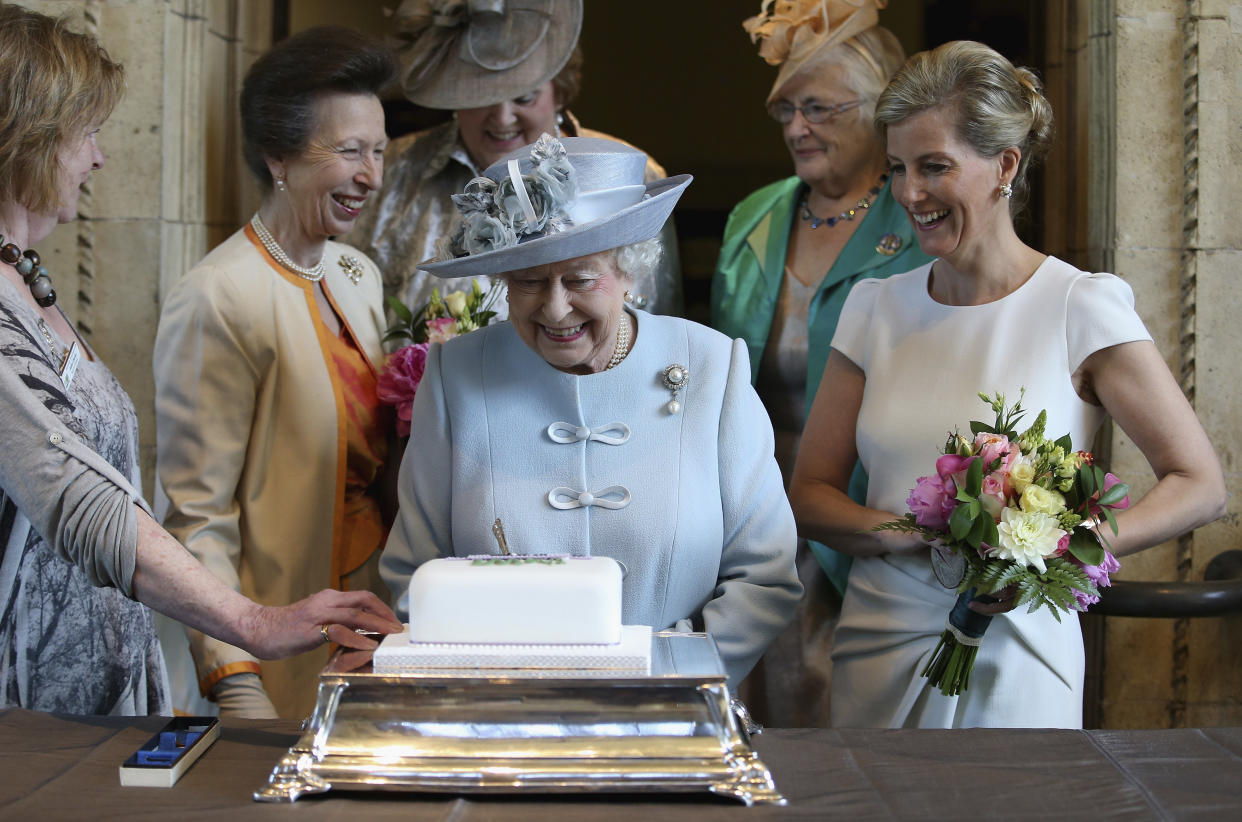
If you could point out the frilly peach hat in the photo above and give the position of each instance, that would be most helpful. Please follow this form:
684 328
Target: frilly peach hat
791 33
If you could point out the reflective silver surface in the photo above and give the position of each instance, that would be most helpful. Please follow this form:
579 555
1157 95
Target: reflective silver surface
462 732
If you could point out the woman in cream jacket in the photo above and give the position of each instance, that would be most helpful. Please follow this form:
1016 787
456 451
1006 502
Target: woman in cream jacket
271 439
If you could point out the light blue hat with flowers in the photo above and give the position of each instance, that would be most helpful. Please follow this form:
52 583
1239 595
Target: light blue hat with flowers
554 200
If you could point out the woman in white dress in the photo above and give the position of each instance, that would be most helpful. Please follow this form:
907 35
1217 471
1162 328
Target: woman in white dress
909 357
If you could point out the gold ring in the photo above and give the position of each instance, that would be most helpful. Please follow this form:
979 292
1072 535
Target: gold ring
323 632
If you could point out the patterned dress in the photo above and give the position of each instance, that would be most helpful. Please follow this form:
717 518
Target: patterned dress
66 645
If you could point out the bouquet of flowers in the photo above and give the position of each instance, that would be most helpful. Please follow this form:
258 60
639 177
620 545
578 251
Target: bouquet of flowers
441 319
1013 511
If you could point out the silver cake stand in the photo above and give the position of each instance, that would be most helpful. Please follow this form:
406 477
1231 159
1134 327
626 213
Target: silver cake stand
466 731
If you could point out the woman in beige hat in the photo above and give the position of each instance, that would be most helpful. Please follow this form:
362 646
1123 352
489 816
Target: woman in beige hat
791 252
508 70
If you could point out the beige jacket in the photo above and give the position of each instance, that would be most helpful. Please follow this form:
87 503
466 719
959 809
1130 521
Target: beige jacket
251 436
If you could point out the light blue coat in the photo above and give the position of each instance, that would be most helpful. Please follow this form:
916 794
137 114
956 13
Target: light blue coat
707 535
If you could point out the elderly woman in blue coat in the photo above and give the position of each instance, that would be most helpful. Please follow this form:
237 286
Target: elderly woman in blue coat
590 427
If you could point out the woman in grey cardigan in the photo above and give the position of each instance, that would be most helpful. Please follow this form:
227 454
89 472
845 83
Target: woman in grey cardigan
590 427
79 544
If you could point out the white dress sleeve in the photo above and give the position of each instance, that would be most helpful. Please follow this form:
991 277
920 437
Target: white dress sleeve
854 326
1099 314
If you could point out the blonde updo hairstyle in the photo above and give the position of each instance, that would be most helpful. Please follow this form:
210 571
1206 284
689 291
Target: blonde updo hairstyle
997 105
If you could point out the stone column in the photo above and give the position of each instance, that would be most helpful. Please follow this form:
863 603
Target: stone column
174 184
1166 154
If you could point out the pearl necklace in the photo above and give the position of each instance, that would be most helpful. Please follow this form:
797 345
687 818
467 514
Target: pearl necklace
314 273
622 347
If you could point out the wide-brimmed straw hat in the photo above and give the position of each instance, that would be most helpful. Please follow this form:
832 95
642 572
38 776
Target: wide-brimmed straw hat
555 200
459 54
796 32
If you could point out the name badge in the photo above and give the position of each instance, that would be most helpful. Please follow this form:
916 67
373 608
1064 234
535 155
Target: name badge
69 368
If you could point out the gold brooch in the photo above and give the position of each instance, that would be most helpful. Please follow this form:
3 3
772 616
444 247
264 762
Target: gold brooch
888 245
352 267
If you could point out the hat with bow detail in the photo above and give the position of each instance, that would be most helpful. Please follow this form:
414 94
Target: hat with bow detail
459 54
554 200
792 33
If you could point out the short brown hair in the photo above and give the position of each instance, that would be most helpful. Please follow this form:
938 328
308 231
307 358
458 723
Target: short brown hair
54 83
279 93
568 81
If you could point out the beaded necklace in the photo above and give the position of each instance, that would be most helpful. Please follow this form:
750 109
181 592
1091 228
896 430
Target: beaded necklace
848 214
35 275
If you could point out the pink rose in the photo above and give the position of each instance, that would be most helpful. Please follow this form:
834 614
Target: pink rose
1062 545
399 381
992 494
931 501
441 329
991 447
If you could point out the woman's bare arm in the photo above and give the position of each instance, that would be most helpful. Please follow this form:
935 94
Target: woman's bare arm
170 580
1134 385
826 457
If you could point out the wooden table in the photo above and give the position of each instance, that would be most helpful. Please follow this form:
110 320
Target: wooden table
65 767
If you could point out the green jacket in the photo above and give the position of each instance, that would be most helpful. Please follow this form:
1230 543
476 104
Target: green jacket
748 281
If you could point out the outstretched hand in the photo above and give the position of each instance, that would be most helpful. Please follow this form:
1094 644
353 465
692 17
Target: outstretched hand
275 632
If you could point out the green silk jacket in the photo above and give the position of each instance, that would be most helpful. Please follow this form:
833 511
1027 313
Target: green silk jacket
748 279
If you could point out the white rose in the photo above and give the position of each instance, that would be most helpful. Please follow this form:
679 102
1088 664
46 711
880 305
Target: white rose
1022 474
1037 500
456 303
1027 537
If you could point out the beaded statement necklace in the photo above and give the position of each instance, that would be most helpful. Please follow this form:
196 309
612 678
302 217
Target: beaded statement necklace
314 273
35 275
622 347
848 214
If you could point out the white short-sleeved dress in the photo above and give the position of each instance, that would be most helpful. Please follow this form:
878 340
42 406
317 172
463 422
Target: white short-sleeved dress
925 364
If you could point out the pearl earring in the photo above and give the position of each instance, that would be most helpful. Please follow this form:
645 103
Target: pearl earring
280 184
1006 190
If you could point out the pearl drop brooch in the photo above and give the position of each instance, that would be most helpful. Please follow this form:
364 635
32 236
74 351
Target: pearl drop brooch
676 376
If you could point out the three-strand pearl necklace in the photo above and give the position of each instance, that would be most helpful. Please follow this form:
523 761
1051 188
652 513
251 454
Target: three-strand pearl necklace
314 273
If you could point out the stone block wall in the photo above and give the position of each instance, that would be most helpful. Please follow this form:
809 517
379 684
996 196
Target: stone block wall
173 185
1164 213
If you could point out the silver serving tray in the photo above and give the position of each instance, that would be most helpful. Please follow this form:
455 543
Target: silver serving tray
465 731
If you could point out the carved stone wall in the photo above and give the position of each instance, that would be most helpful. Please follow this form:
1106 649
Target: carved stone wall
1165 171
173 185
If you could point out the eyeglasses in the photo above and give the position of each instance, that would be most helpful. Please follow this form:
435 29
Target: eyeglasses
782 111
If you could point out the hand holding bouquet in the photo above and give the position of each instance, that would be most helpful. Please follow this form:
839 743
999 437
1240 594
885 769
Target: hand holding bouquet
1010 511
441 319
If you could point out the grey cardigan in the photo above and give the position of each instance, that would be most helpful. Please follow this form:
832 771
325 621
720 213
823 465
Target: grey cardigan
73 498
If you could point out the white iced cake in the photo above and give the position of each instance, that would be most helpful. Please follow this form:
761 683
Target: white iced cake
516 612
